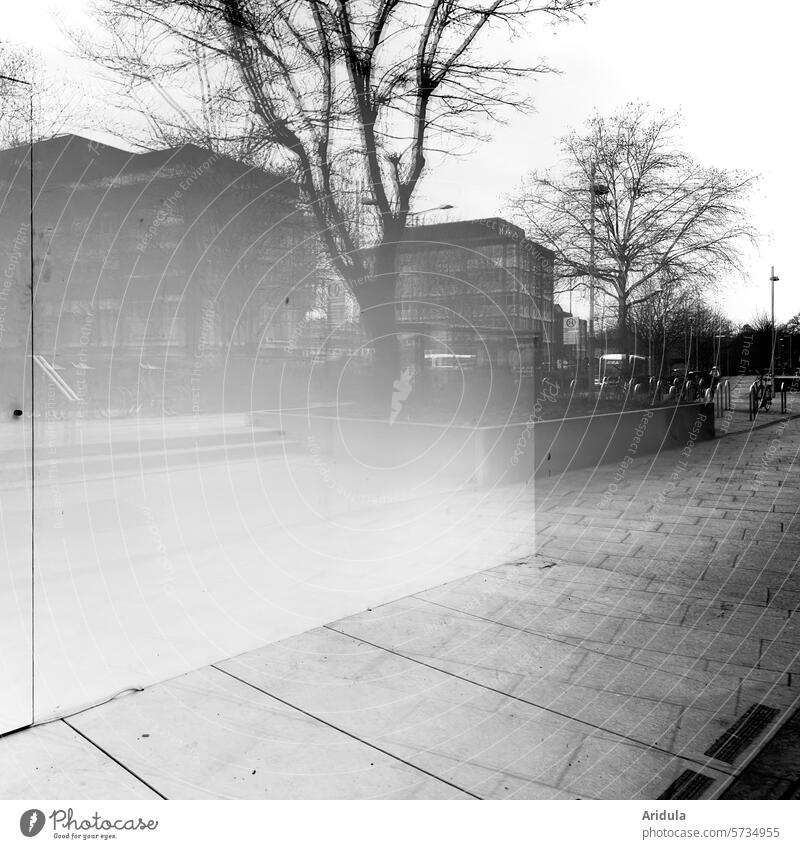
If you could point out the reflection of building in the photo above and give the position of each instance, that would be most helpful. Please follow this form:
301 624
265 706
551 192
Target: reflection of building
172 253
478 289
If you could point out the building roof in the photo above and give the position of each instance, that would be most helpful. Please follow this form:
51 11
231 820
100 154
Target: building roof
475 230
73 159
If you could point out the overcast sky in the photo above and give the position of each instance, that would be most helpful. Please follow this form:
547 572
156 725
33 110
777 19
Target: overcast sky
730 66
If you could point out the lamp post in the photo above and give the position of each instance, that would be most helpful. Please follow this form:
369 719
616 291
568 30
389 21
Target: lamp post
595 190
687 349
373 202
718 351
414 215
773 280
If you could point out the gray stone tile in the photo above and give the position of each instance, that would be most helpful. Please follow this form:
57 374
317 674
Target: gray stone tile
207 736
54 762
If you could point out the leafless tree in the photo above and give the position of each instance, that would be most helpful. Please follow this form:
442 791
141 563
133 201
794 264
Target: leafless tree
670 320
792 326
659 214
54 100
344 91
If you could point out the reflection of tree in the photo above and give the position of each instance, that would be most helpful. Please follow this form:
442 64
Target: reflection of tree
56 101
333 90
659 214
670 321
15 248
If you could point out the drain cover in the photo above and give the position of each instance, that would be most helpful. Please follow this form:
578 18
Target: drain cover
742 733
688 785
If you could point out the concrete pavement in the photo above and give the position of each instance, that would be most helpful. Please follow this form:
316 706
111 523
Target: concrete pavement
659 609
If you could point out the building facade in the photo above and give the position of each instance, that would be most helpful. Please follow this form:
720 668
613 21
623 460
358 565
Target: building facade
160 260
479 291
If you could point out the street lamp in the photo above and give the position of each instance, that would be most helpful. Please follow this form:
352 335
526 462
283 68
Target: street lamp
773 280
718 352
373 202
687 348
596 190
653 294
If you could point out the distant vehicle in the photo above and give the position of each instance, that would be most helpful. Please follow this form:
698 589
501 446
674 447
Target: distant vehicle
616 369
458 361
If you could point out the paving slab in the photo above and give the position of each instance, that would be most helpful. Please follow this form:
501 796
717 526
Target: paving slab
601 666
54 761
206 735
479 737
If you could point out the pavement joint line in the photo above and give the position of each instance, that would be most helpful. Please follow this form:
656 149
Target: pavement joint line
116 760
623 614
692 584
565 640
347 733
707 763
710 458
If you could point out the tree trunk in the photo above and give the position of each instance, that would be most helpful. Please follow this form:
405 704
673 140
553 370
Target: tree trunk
622 325
376 297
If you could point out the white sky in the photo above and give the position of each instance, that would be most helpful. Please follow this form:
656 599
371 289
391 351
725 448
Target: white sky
730 66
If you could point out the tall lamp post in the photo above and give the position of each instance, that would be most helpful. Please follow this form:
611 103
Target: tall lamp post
773 280
718 351
595 190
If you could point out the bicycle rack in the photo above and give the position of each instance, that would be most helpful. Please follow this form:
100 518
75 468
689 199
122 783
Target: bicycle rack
783 393
721 397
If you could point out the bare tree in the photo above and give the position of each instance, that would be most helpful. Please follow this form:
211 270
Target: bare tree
336 90
792 326
54 101
659 214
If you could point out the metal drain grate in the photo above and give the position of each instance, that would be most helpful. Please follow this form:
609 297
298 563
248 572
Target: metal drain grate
742 733
688 785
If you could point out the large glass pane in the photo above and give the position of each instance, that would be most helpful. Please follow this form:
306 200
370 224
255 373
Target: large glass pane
210 473
15 443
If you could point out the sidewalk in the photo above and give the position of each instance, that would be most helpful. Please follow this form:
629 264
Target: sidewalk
651 619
